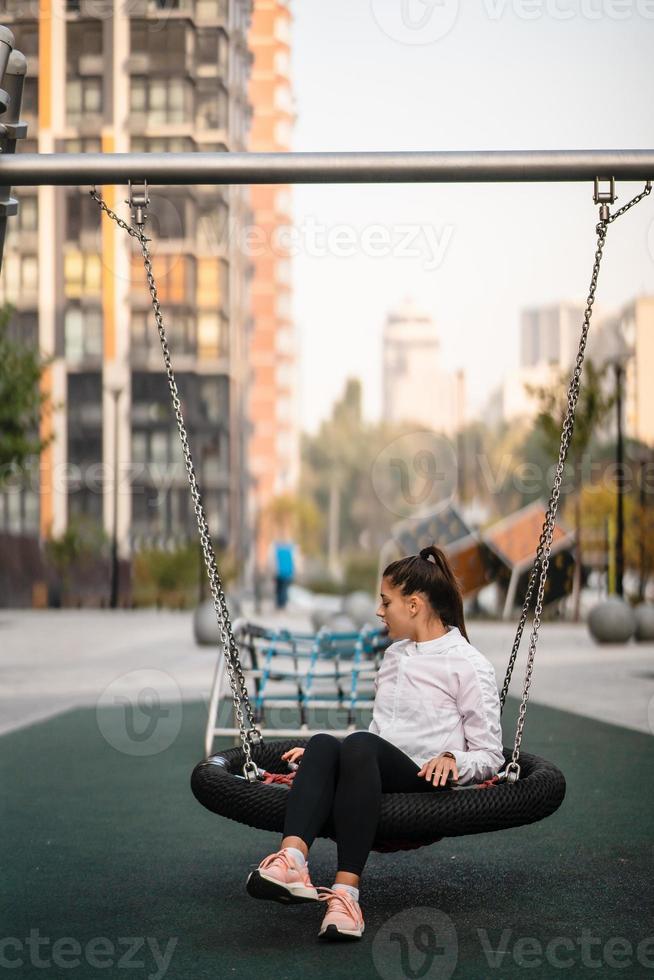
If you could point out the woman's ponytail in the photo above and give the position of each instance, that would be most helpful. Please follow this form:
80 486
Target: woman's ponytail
431 573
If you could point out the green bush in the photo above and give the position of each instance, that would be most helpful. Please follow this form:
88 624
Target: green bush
361 573
171 578
326 586
82 543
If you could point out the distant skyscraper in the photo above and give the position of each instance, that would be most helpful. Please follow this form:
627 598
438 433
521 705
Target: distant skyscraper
549 340
550 334
415 387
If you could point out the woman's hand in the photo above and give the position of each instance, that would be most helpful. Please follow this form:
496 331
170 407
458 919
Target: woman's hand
293 755
436 770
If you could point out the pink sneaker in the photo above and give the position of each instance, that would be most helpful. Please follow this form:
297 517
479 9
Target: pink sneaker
343 919
279 878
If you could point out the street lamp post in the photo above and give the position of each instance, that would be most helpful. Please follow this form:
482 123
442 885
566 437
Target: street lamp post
201 567
113 593
643 464
619 463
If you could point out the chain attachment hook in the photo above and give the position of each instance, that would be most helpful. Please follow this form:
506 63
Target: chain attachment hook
139 202
604 197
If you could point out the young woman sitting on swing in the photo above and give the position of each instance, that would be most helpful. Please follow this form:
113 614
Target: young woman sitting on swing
436 718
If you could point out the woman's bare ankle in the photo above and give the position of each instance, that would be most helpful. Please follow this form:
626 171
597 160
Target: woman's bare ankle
296 842
347 878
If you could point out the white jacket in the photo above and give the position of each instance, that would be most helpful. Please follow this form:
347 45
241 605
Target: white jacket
440 696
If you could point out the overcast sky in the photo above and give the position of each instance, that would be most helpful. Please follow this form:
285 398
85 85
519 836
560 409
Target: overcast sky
441 75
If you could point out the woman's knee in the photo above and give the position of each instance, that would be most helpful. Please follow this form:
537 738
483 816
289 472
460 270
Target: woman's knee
358 746
324 744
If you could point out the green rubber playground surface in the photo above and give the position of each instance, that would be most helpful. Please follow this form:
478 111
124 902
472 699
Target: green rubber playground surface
110 868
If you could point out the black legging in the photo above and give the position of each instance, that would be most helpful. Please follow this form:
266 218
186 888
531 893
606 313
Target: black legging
345 779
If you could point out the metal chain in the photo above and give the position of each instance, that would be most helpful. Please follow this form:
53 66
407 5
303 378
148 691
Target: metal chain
512 771
251 735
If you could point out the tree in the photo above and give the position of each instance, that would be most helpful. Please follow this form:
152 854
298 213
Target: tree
22 403
339 466
593 407
296 517
598 509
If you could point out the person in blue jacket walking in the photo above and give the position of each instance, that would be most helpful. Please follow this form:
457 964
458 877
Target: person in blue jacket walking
284 570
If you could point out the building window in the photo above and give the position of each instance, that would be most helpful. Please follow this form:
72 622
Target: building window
213 400
173 274
86 144
29 279
209 328
212 226
23 327
159 447
169 215
213 283
163 100
20 275
29 105
162 144
282 30
138 36
211 105
283 271
211 9
83 98
139 447
83 334
27 214
284 409
283 201
212 50
283 99
283 304
82 274
284 442
140 343
282 63
207 47
82 216
285 340
84 37
283 133
145 337
284 374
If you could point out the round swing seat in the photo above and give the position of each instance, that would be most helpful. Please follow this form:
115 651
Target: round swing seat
407 820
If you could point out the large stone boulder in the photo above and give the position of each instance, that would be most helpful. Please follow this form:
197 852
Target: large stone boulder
205 624
361 608
341 623
644 614
612 621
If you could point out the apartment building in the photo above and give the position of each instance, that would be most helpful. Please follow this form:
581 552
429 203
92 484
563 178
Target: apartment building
153 76
273 409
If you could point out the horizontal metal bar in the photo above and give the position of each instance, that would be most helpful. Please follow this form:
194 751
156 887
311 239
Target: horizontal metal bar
477 166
